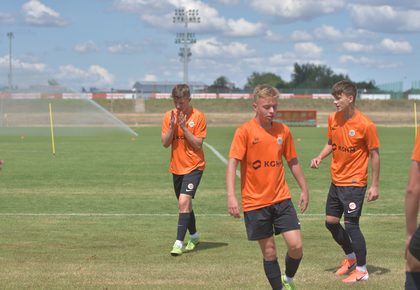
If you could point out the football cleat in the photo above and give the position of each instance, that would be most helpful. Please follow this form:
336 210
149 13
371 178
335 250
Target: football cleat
356 276
346 266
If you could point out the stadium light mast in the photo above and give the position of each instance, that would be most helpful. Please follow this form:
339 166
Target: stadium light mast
185 38
10 36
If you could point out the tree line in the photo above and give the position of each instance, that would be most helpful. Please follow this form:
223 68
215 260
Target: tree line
304 76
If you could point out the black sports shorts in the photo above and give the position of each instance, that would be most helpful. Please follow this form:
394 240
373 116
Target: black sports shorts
345 199
187 183
273 219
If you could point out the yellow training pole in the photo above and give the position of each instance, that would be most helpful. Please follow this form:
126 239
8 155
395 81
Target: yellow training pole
415 118
52 130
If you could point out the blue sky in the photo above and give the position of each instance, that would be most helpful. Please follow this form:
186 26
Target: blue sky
113 43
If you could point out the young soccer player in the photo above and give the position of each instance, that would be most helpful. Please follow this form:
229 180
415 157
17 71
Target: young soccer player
184 129
259 146
412 199
352 140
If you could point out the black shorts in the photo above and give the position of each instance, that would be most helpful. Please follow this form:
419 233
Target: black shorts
187 183
414 246
345 199
274 219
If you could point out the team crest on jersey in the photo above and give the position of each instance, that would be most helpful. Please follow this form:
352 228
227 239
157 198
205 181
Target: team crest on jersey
352 133
279 140
191 124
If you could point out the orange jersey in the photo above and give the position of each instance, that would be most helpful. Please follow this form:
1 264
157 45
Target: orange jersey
184 158
260 152
351 142
416 150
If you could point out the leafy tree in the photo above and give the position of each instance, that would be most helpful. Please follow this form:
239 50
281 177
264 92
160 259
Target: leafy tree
53 82
221 85
264 78
312 76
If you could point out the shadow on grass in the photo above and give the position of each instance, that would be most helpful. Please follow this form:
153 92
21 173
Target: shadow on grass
209 245
371 269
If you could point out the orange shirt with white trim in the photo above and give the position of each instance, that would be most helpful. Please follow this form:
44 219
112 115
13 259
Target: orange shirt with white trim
184 159
352 141
260 152
416 151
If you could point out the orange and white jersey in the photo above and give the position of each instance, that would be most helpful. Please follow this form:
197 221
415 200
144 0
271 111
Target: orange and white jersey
416 151
260 152
184 158
351 142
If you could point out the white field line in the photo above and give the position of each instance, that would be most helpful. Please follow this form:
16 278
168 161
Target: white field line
220 156
168 214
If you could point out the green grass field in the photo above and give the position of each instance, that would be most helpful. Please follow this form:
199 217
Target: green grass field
102 215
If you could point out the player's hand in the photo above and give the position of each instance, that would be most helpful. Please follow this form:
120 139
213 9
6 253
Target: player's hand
173 120
182 120
1 164
233 207
303 201
373 194
315 162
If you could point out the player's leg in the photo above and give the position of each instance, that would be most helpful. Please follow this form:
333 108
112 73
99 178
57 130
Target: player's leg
287 223
334 210
259 227
190 183
353 197
412 281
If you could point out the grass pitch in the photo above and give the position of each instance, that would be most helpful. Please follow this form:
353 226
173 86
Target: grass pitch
102 215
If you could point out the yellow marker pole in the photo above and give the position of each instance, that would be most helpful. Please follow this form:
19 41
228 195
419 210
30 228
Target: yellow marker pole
52 130
415 118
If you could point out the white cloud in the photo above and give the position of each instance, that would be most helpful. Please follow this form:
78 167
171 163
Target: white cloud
295 10
230 2
213 48
242 27
301 36
124 48
271 36
150 78
86 47
396 46
308 50
94 76
385 18
36 13
356 47
366 61
327 32
22 65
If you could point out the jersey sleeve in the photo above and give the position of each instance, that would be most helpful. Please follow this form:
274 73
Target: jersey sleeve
238 146
372 140
416 151
289 151
201 128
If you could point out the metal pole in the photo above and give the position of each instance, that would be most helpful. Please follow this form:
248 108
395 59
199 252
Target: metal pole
10 35
186 53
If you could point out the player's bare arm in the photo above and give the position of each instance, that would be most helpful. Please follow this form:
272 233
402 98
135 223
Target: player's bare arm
169 135
194 141
373 193
297 172
233 206
324 153
412 199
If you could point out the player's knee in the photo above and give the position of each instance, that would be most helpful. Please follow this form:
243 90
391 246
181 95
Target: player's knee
351 224
332 227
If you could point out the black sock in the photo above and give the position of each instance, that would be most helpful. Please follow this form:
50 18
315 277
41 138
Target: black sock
272 271
340 236
191 226
412 280
291 266
183 221
357 241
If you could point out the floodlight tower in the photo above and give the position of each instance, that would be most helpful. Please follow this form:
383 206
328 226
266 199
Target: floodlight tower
185 38
10 36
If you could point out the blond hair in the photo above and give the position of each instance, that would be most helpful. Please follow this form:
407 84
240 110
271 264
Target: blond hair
265 91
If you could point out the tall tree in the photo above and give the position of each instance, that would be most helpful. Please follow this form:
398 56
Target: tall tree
314 76
264 78
221 85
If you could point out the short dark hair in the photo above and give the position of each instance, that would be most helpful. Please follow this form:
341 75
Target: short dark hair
181 91
344 87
